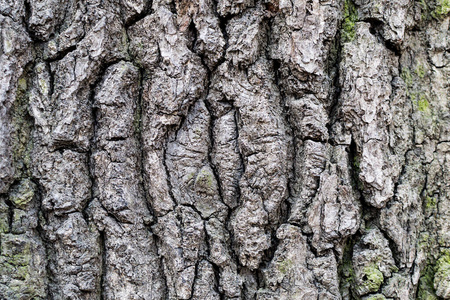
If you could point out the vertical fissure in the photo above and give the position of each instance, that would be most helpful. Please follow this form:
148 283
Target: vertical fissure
10 214
102 242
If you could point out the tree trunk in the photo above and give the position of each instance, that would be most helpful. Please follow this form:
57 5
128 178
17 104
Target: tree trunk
201 149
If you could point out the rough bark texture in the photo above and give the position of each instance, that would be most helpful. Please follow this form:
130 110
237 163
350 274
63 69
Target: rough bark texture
222 149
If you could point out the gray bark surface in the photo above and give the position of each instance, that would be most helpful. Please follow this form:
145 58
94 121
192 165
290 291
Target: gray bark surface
219 149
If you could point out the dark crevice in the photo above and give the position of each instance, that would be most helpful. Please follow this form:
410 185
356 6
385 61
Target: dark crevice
376 26
345 267
102 242
423 193
217 272
333 112
116 138
268 256
22 126
354 158
294 145
6 15
192 36
211 145
59 27
26 19
430 61
10 214
138 17
210 153
39 192
172 7
238 122
113 216
93 183
284 207
393 247
138 126
212 120
246 285
376 29
62 146
41 230
192 206
395 48
139 139
195 278
400 177
161 265
166 169
92 142
51 89
60 55
223 21
171 135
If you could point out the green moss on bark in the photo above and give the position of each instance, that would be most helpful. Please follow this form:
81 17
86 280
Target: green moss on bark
349 22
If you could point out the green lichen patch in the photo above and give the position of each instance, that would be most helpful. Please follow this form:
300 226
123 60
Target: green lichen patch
430 202
425 11
20 277
22 84
23 193
442 9
349 22
423 104
198 133
346 270
426 296
15 249
205 181
189 176
420 71
412 79
44 87
418 98
424 240
393 269
285 265
372 279
442 274
4 217
433 9
426 289
205 178
407 77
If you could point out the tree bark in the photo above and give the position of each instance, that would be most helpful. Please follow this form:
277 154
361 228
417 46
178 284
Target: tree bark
251 149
